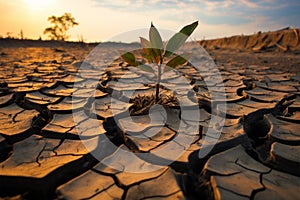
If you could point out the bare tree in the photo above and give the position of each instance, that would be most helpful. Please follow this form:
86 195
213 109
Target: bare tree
21 35
60 26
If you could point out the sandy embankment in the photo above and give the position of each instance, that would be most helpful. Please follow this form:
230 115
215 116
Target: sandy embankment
284 40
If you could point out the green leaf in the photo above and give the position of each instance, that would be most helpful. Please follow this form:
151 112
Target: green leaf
146 68
155 38
147 50
175 43
145 43
157 55
151 54
176 61
189 29
178 39
129 58
156 43
148 57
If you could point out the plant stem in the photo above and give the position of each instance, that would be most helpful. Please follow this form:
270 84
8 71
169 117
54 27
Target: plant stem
158 79
158 84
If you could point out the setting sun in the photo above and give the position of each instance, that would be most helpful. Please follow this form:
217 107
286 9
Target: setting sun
38 4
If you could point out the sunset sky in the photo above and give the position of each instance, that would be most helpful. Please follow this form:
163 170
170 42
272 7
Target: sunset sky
100 20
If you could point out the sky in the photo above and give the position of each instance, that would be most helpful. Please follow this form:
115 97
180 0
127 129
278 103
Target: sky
102 20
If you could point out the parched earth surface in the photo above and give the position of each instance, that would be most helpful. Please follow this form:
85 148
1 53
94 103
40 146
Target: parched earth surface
66 132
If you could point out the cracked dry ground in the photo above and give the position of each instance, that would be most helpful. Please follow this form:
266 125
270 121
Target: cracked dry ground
44 156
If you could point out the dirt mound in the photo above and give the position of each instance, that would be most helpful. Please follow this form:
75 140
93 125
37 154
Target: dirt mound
284 40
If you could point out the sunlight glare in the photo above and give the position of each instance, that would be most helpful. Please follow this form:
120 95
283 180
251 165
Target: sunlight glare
38 4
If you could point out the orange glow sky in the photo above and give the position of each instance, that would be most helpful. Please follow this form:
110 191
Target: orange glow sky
102 19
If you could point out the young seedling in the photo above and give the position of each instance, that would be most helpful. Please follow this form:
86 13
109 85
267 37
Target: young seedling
154 51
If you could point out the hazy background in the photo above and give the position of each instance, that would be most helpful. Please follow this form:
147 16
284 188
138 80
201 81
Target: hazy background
100 20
